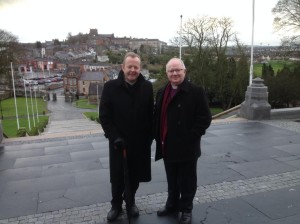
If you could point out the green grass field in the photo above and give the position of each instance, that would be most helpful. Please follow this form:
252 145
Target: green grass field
83 103
91 115
9 109
215 111
8 114
10 126
276 65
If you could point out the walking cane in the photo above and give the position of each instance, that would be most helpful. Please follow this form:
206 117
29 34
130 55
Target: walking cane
127 192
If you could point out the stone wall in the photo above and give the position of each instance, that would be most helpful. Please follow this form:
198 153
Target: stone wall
285 113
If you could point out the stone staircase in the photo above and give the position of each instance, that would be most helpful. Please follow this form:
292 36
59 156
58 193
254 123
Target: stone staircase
72 127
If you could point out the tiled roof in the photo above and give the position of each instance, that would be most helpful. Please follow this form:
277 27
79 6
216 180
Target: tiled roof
92 76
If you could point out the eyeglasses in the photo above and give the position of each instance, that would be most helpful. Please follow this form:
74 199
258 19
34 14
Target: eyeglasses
175 70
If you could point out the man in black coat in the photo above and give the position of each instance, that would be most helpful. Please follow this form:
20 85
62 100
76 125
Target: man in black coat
125 113
181 117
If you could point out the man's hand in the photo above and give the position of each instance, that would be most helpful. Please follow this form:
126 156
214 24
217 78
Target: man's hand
119 144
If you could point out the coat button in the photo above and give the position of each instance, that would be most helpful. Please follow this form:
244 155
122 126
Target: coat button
179 105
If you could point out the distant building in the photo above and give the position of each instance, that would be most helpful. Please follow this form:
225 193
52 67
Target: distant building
95 92
103 58
70 80
91 77
94 32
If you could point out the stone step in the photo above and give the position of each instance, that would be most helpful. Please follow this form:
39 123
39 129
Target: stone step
81 120
75 125
82 136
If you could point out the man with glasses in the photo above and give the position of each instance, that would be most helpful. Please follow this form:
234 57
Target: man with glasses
181 117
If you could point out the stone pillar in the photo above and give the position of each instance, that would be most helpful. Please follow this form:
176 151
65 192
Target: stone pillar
256 105
54 96
67 97
48 96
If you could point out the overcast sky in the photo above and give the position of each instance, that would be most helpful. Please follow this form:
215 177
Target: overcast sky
41 20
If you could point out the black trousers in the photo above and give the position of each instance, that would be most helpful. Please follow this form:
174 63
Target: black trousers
117 191
182 184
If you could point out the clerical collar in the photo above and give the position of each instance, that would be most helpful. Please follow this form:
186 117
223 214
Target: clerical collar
174 86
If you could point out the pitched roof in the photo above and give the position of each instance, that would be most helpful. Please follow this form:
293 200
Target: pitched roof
92 76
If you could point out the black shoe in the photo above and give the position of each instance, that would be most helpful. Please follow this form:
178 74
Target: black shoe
113 214
134 211
164 211
186 218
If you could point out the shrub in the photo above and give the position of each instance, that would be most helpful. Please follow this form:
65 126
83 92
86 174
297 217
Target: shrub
21 132
41 127
44 123
34 131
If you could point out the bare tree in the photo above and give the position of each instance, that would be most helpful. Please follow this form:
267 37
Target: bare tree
206 40
287 19
9 48
221 33
6 37
195 32
287 15
8 43
195 38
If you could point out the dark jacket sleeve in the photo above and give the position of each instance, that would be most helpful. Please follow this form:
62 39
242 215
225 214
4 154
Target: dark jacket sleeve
105 113
151 113
203 114
156 114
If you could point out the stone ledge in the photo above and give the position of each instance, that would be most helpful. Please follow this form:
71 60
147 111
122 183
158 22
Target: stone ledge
286 113
48 136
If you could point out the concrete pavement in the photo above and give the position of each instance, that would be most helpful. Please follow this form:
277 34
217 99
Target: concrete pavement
249 172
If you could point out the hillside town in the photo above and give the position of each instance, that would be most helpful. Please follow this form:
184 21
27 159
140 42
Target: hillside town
81 65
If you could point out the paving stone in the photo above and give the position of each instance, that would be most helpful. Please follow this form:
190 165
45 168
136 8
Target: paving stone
245 165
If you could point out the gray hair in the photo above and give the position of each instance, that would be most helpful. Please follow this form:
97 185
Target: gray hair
177 59
132 55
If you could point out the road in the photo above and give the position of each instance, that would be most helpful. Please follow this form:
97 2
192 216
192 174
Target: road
61 110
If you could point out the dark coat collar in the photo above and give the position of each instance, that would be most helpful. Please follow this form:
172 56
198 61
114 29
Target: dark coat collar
184 86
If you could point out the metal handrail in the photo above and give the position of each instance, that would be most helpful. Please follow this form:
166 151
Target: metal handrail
226 111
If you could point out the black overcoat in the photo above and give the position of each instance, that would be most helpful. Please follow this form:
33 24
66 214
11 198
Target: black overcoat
127 112
188 117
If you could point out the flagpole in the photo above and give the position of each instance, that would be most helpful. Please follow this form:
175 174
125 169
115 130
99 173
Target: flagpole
251 60
37 112
32 107
180 40
13 82
27 106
